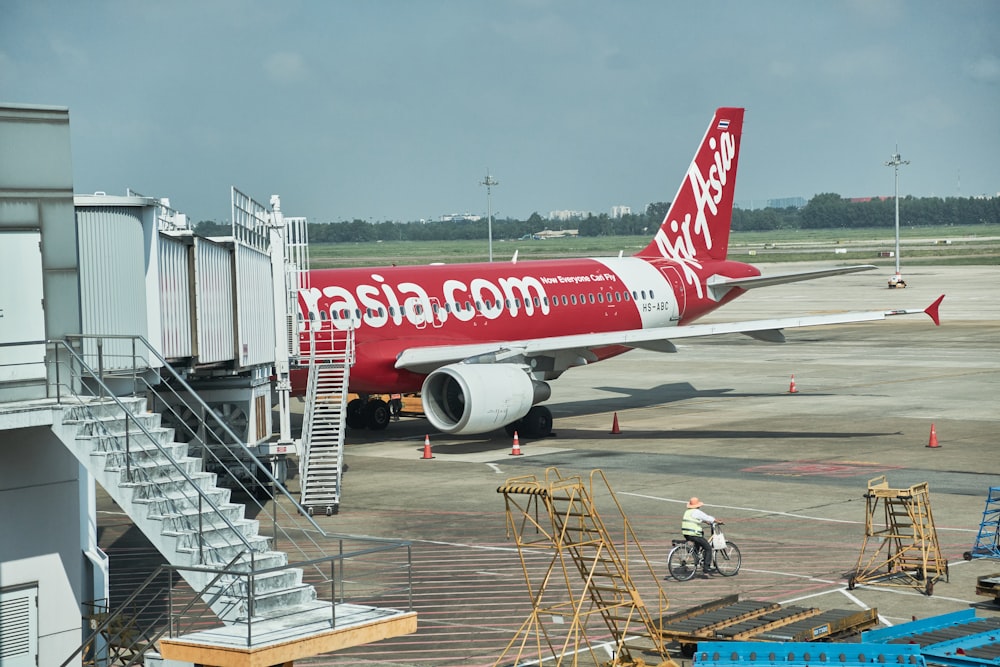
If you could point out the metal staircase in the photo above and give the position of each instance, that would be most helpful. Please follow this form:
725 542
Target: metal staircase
902 548
180 508
558 517
257 593
988 538
322 462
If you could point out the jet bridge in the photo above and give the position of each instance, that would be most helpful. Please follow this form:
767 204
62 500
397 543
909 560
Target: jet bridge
220 310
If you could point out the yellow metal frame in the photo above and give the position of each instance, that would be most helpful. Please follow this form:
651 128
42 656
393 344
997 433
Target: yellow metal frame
586 587
902 548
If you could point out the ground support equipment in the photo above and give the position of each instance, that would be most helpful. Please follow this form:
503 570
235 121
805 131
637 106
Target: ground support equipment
958 638
794 654
736 620
900 546
989 585
582 577
988 539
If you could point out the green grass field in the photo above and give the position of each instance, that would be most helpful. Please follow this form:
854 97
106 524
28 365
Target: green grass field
978 245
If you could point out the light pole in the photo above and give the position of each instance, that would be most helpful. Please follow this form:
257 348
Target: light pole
894 162
489 182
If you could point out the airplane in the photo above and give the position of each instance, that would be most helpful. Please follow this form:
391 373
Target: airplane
480 342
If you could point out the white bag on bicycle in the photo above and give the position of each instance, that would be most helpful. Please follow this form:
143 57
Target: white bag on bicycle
718 541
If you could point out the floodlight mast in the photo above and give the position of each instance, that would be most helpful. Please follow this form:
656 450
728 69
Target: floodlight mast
489 182
895 162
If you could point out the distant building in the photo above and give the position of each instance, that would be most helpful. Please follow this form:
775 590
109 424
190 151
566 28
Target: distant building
569 215
461 217
782 202
620 211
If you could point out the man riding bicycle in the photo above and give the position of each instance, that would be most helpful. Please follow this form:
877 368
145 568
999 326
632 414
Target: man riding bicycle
691 528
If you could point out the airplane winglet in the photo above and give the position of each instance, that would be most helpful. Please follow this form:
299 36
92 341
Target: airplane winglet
932 310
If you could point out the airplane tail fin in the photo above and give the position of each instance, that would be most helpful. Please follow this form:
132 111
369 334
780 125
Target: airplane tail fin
696 227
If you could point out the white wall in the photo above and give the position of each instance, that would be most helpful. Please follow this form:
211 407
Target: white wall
40 536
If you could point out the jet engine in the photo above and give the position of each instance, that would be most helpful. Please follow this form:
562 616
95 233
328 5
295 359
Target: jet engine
477 398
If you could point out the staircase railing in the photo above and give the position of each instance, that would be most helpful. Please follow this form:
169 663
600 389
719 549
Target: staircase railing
148 615
325 346
72 379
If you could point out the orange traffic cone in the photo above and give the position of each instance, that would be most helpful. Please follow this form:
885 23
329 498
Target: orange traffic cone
791 387
516 450
427 448
933 441
614 426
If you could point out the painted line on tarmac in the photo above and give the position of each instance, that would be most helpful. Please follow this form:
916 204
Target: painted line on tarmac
758 510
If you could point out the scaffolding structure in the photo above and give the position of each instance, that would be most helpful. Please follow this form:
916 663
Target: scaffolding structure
581 579
988 539
902 548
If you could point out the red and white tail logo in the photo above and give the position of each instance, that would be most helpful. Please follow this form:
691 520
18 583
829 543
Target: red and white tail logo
696 228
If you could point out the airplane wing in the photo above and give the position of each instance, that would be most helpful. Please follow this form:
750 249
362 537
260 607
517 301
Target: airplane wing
426 359
718 285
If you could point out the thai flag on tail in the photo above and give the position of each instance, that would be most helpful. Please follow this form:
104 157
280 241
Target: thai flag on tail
723 125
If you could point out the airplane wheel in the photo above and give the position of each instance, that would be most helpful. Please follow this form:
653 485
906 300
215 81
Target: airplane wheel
355 414
967 555
513 428
377 415
538 422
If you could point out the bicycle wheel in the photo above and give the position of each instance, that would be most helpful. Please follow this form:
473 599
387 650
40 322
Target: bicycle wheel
728 560
682 562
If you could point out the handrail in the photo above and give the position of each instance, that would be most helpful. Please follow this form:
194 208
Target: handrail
202 496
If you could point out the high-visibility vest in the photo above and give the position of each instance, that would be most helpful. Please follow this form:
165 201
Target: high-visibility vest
691 525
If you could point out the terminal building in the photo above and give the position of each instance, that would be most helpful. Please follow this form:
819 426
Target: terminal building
141 361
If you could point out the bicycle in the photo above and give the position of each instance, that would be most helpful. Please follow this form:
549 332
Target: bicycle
683 561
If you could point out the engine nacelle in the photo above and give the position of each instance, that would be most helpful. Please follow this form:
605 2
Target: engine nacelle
477 398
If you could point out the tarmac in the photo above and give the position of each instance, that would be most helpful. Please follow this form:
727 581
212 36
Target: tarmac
786 471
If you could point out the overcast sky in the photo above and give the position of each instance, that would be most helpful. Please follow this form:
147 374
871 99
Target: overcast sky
395 109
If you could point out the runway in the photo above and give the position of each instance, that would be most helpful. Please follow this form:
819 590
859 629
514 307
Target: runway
786 471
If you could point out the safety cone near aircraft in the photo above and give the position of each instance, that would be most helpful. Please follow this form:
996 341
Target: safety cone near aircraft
516 449
427 448
481 342
791 387
933 442
614 426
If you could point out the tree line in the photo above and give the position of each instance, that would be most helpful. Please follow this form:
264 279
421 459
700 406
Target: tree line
824 211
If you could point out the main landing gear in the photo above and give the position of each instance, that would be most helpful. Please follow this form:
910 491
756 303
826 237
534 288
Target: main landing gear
372 414
536 424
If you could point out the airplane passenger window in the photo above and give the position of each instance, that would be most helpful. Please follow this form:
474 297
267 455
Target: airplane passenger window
600 297
643 292
635 295
357 314
322 315
618 296
572 297
545 300
625 296
435 308
447 307
517 303
479 306
564 300
370 313
592 297
536 302
468 306
651 294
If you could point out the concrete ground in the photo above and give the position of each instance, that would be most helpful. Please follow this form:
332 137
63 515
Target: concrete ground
787 472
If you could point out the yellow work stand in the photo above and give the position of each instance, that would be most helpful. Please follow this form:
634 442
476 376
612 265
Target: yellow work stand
901 545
